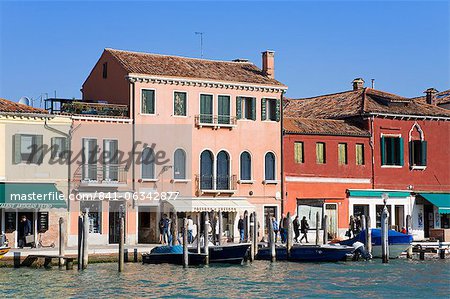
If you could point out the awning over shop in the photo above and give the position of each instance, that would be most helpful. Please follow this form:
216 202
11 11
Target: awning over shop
198 205
440 200
30 196
377 193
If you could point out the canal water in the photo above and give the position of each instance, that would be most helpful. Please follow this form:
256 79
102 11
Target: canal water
400 278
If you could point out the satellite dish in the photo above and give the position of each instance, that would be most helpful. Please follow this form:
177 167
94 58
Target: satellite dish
24 101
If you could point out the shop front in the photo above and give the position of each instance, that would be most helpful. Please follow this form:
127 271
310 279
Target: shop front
437 215
31 209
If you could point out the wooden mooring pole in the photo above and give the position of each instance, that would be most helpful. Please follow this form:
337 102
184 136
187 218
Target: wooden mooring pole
85 239
62 243
198 233
252 237
121 244
385 235
369 235
409 252
363 222
255 234
174 229
80 243
220 232
246 226
271 239
289 239
185 244
317 228
206 241
325 229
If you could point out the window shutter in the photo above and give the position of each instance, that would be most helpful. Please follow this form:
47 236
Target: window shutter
17 146
254 108
39 154
424 153
383 151
401 152
263 109
411 153
278 112
238 107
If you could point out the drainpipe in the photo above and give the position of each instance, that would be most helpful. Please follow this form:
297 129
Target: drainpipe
373 151
281 154
133 137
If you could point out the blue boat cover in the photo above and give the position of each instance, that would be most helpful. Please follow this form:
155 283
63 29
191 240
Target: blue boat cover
395 237
178 249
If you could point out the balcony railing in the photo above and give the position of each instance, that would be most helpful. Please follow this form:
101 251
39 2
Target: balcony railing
216 184
93 174
209 120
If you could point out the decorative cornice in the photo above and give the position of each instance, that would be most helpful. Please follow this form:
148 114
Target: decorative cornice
205 83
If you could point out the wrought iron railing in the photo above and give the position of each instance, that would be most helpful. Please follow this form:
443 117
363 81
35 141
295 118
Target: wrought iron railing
93 173
216 183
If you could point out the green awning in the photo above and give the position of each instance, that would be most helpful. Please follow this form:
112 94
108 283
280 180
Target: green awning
30 196
377 193
440 200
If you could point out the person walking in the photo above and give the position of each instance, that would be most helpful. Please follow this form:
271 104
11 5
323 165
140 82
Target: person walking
304 226
296 225
161 230
190 229
275 229
166 227
25 230
241 229
284 226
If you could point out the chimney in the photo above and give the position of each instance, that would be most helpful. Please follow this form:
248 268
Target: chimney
358 83
268 63
431 95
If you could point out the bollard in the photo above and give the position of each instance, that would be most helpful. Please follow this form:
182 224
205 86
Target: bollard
206 241
441 251
363 222
422 255
62 237
385 235
85 239
271 239
369 236
80 243
409 252
125 255
317 228
289 239
135 255
16 259
220 233
255 234
185 244
121 244
198 233
325 229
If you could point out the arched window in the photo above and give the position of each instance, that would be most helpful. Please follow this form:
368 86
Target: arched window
246 166
148 163
206 170
417 147
179 164
223 171
269 171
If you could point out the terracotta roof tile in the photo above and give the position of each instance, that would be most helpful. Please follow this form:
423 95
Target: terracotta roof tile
359 102
322 127
193 68
9 106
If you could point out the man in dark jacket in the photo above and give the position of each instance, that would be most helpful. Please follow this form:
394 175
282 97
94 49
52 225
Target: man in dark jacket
241 229
25 230
296 225
304 226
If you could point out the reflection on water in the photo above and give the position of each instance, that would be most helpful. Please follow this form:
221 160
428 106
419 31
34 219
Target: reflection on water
260 279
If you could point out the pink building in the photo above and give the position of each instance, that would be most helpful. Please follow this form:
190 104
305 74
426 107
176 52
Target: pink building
210 128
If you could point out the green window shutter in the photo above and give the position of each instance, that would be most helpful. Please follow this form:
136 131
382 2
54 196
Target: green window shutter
39 153
263 109
383 150
253 108
238 107
278 112
17 157
401 160
424 153
411 153
298 152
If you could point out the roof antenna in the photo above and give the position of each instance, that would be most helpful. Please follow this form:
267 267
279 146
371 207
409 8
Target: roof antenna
373 83
201 42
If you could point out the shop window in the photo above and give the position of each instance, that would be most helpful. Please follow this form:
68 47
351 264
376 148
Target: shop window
379 210
94 215
309 209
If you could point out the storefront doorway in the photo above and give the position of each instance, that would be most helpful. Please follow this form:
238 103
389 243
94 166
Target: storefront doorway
331 212
114 221
147 227
20 225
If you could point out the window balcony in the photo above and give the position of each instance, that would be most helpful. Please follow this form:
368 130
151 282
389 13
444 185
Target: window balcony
93 175
215 121
215 184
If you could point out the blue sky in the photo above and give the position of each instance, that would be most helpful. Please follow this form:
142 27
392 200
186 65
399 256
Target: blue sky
320 46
